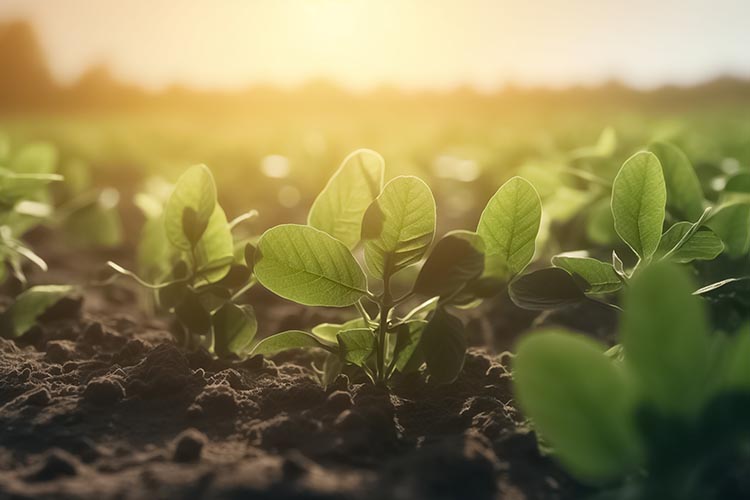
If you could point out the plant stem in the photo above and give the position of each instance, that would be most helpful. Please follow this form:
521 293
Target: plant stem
386 304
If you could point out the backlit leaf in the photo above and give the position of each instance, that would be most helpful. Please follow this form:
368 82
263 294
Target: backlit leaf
31 304
599 276
290 339
234 329
308 266
356 345
195 190
684 192
702 244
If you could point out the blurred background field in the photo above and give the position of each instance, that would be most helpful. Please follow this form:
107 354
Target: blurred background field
272 146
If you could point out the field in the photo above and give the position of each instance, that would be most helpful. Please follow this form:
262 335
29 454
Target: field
369 334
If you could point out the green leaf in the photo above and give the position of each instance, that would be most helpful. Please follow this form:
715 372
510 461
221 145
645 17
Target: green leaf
600 277
339 208
234 329
398 226
35 158
329 331
408 338
580 402
357 345
638 199
547 288
444 347
684 192
731 222
509 225
664 333
195 190
215 250
457 259
702 244
332 367
290 339
308 266
600 225
31 304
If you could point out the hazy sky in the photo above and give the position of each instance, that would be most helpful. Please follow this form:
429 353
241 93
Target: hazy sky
412 43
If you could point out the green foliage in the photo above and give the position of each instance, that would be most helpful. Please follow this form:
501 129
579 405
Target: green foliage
398 226
638 203
188 255
308 266
28 306
311 266
509 226
669 403
580 402
339 208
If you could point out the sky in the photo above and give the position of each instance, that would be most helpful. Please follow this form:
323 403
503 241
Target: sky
413 44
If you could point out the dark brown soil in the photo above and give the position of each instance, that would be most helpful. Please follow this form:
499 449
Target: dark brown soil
97 402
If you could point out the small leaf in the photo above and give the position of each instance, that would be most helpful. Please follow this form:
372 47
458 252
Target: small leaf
339 208
357 345
399 226
638 203
703 244
684 192
329 331
547 288
600 277
290 339
195 190
664 333
456 260
191 313
234 329
408 338
332 367
215 251
509 226
192 228
444 347
237 276
31 304
580 402
308 266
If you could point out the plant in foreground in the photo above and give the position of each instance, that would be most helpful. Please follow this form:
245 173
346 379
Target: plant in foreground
208 274
664 415
639 203
394 225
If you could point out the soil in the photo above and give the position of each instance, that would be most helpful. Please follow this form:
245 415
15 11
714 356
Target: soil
98 402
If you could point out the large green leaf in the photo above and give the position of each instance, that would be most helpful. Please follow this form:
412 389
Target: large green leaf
31 304
509 225
214 252
234 329
456 259
639 197
308 266
580 402
194 193
681 243
399 225
664 333
599 276
357 345
684 192
339 208
443 345
290 339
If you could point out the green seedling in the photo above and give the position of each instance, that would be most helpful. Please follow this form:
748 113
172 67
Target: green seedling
24 202
393 227
664 414
642 192
206 273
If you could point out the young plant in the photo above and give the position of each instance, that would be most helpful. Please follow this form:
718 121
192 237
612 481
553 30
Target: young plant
641 194
664 415
394 226
208 275
24 202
